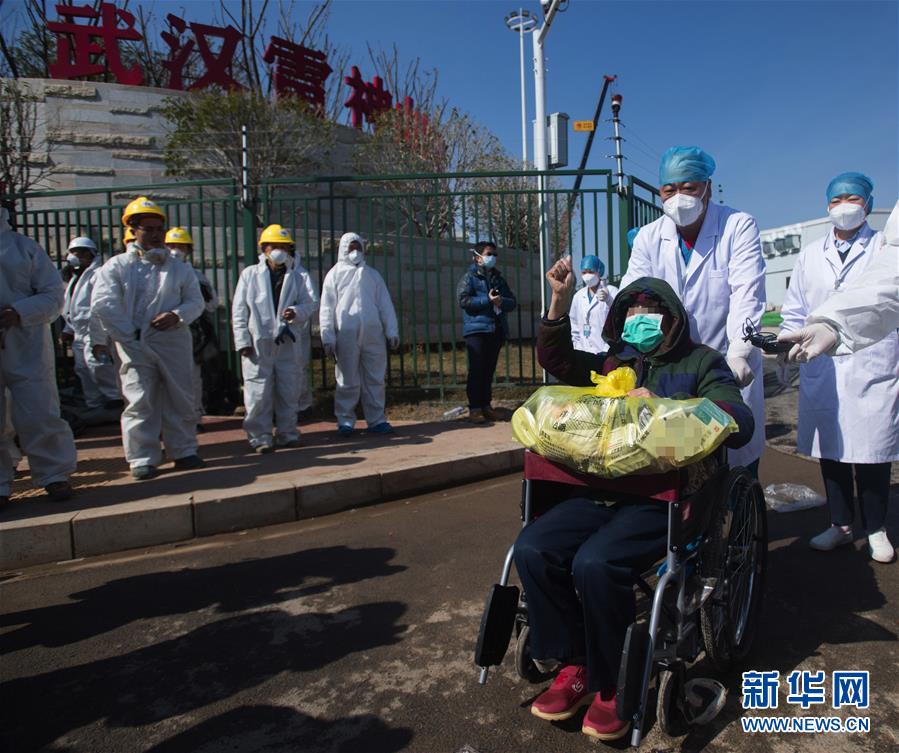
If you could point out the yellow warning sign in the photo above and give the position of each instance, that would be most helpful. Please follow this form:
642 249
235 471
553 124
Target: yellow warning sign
583 125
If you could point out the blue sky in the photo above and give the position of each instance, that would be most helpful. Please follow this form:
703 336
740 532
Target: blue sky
784 95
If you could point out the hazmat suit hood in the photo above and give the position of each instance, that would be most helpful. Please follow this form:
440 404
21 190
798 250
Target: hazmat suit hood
344 248
649 291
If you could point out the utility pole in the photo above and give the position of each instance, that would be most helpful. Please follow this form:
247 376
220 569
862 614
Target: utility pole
585 156
540 152
619 163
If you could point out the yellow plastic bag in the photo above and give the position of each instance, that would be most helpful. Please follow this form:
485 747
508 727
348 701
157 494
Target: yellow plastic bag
616 383
619 436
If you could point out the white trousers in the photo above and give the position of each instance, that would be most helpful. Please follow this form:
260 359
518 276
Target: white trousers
360 372
270 390
28 372
157 384
98 379
304 348
197 386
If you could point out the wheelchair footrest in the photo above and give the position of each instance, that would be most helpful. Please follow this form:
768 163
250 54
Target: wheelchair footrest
630 674
497 624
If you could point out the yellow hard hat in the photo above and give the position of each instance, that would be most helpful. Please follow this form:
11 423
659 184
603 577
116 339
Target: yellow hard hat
141 205
129 235
275 234
178 235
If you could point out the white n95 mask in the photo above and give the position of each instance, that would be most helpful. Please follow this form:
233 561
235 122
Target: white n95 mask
355 257
178 254
278 256
156 255
846 215
684 209
590 279
73 260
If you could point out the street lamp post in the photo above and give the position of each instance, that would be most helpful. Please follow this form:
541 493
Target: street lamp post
521 21
540 153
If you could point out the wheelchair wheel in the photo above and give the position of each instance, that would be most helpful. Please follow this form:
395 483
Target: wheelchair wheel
524 662
670 703
736 555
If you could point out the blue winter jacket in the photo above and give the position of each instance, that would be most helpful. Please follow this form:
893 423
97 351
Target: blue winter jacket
478 314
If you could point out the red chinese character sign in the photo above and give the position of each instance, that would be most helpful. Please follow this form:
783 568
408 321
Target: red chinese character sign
217 64
367 98
81 46
298 71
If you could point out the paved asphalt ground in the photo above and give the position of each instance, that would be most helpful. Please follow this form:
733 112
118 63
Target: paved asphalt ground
354 633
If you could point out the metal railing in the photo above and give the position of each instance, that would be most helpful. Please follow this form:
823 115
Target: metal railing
419 230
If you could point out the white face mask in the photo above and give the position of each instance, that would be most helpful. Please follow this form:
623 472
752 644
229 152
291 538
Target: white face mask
846 215
590 279
73 261
179 254
156 255
684 209
355 257
278 256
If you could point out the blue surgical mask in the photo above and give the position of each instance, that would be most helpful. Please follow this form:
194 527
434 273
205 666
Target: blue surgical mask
489 262
643 331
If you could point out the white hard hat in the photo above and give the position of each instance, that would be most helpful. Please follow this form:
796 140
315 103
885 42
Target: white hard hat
82 241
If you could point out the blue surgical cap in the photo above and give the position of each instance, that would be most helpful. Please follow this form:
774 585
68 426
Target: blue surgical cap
683 163
591 263
854 183
631 235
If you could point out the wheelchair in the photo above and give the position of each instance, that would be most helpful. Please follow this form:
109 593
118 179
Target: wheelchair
707 598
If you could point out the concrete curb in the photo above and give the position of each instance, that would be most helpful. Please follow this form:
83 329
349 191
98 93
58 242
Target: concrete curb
173 518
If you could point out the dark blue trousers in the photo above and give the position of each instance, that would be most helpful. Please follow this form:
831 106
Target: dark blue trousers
483 352
578 564
872 481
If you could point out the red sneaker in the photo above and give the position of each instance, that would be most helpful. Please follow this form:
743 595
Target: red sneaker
601 720
564 697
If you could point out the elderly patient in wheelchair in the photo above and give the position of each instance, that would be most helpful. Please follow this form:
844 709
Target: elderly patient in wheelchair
579 561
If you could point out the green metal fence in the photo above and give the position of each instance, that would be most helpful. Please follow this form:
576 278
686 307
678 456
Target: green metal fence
419 229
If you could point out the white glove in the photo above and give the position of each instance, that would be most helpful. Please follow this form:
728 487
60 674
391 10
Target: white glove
602 293
329 350
393 342
811 342
741 371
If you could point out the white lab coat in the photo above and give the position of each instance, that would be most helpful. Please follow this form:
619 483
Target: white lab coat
588 315
721 287
30 283
848 405
272 373
356 318
866 310
98 378
156 366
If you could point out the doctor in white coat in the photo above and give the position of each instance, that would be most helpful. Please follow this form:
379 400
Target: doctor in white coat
96 374
146 300
712 257
861 313
590 307
273 300
848 405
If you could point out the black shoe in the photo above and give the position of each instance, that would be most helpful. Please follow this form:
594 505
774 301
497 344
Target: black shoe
143 472
189 463
59 491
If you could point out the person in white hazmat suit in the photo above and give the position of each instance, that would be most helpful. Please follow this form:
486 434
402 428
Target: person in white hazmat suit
31 297
859 314
356 316
146 300
590 307
181 245
274 299
711 256
97 373
848 405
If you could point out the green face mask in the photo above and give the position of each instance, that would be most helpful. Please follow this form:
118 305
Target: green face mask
643 331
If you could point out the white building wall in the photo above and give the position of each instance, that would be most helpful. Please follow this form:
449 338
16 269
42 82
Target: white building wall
781 246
